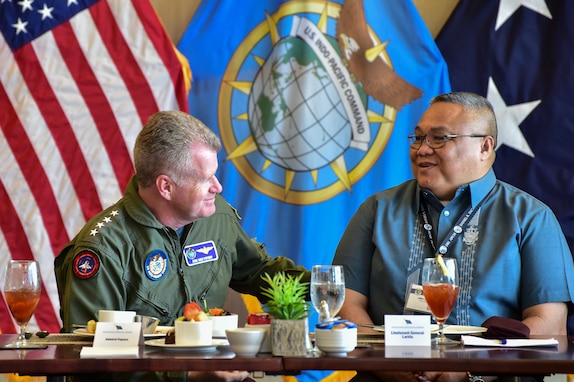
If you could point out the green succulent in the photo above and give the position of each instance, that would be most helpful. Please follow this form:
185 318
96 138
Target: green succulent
286 295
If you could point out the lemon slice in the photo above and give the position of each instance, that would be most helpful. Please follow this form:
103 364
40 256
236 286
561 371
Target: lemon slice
440 262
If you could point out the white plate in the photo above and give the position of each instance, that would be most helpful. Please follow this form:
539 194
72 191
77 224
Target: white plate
448 329
459 329
160 343
160 332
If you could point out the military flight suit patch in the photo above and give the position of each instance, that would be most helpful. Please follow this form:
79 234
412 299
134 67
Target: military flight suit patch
156 265
86 265
200 253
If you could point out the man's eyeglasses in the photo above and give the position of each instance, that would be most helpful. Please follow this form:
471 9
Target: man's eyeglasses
436 141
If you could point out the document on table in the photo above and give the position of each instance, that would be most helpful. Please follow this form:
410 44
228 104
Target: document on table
508 343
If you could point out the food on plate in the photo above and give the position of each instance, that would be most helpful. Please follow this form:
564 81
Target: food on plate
91 326
215 311
258 319
218 312
193 312
170 337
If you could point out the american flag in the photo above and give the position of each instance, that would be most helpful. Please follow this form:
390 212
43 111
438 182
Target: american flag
78 79
518 53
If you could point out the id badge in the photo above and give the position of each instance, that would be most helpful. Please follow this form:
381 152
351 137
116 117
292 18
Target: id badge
416 300
200 253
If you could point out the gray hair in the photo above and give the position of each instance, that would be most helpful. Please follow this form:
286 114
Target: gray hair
475 103
163 146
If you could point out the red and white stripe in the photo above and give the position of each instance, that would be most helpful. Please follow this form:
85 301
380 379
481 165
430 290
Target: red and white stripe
71 104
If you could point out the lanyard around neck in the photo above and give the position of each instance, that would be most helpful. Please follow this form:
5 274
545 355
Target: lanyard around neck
454 231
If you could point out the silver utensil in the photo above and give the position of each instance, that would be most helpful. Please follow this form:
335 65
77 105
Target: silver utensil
379 328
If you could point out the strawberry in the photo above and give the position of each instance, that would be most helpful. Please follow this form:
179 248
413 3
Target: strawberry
191 311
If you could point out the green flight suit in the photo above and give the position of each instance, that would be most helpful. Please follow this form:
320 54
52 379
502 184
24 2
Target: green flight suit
124 259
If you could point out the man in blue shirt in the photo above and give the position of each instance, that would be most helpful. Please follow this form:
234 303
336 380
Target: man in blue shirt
513 258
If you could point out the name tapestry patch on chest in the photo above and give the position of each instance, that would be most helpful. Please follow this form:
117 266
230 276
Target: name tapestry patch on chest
200 253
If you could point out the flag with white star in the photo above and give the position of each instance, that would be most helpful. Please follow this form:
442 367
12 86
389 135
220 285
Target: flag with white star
518 53
78 79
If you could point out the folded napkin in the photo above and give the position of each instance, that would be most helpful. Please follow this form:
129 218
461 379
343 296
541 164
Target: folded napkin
511 343
501 327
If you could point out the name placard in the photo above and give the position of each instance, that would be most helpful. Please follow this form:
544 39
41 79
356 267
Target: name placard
115 339
115 335
406 330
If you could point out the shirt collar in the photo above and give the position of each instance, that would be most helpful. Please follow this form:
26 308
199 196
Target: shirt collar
478 189
481 187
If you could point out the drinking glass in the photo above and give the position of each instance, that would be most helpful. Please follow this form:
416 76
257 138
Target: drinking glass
327 290
440 288
22 287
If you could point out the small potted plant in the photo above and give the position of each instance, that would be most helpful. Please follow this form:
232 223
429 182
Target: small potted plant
289 311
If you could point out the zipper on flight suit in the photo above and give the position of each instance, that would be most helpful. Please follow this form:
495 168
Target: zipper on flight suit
201 297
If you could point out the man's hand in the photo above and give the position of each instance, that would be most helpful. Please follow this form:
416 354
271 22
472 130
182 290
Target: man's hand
355 308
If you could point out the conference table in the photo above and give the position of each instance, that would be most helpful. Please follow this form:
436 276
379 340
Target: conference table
62 357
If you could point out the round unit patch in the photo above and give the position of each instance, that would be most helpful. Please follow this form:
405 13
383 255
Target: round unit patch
86 265
156 265
190 253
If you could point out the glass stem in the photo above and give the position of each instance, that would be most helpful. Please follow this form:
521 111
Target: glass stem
440 330
22 335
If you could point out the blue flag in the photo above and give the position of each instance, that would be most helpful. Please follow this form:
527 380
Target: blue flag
297 168
313 101
519 56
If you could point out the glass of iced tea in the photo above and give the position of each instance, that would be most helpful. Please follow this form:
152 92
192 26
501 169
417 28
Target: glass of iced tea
22 286
440 288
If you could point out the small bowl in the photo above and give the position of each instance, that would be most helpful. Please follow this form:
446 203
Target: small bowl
222 323
336 342
149 323
266 343
245 342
